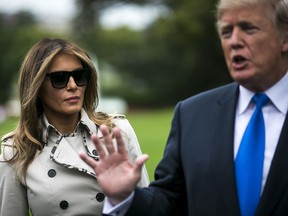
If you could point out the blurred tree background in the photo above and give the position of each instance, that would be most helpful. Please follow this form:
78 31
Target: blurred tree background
18 33
174 57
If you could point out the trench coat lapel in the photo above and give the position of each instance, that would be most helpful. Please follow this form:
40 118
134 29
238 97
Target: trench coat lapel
224 140
65 155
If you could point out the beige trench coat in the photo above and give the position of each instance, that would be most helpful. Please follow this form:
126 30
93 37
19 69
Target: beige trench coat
60 183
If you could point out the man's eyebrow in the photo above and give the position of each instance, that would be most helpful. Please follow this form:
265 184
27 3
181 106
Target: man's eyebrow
245 23
242 23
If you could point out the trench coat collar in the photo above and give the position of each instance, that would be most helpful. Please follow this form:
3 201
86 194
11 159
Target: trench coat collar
62 153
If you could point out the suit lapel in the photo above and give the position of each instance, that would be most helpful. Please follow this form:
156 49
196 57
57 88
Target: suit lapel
277 180
224 140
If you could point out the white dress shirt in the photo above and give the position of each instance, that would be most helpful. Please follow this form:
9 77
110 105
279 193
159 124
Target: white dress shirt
274 114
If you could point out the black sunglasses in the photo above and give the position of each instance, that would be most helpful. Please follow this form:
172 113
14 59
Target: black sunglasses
60 79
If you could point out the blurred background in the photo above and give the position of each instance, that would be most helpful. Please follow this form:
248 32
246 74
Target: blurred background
149 53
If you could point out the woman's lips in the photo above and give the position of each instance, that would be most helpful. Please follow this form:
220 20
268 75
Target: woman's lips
73 99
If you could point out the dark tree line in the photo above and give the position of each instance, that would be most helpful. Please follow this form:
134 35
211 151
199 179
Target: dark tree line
18 33
178 55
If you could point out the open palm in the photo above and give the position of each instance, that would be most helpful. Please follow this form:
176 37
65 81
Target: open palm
116 175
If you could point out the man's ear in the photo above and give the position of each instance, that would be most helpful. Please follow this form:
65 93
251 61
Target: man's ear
285 44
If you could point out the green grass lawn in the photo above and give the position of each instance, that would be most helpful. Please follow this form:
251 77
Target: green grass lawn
8 125
151 127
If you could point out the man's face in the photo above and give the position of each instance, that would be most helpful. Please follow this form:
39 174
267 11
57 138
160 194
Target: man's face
252 47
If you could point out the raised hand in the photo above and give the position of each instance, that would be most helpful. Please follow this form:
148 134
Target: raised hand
115 173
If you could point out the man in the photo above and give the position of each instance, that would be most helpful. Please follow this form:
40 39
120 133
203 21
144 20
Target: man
202 168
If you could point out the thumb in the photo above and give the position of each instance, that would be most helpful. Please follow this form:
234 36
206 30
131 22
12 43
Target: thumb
139 162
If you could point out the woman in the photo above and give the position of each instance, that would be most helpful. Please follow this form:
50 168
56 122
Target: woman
40 165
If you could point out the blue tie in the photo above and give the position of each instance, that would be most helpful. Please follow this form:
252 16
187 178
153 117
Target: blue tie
249 159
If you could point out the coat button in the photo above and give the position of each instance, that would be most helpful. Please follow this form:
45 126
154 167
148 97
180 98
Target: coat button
64 204
52 173
100 197
94 152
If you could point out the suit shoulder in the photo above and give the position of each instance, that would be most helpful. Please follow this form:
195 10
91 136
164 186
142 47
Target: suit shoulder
211 95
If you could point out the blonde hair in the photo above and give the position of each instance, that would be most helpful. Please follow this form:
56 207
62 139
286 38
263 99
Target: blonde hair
27 139
278 13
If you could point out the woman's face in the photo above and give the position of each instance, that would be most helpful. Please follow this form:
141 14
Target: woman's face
62 103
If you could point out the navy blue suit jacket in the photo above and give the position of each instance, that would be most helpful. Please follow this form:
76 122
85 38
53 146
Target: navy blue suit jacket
196 174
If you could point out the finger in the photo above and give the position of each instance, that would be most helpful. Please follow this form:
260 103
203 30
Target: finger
139 162
99 148
107 139
91 162
120 142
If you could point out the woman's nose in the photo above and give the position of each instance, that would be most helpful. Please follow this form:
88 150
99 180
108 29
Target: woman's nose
71 83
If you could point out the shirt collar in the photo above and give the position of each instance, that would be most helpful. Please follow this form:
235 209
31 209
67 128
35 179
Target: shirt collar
277 95
245 97
84 122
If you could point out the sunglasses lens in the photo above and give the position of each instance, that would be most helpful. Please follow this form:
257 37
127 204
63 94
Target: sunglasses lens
81 77
59 79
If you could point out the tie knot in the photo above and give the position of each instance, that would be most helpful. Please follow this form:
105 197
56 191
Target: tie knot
260 99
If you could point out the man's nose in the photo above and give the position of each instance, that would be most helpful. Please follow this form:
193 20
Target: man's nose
236 39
